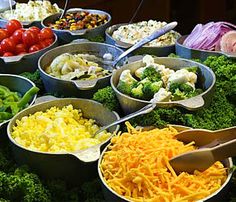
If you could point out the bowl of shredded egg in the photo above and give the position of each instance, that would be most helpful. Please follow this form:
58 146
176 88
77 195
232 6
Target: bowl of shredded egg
125 35
135 167
30 13
55 137
78 69
168 82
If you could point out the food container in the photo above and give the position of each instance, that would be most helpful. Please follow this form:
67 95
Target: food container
217 196
189 53
26 24
67 36
5 5
75 88
206 81
22 63
18 84
71 168
152 50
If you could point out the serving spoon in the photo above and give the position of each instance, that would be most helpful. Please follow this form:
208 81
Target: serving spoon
64 10
214 146
148 108
145 40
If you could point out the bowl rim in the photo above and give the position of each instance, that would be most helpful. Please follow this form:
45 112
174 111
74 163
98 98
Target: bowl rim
10 126
109 33
229 172
74 44
29 104
74 10
165 103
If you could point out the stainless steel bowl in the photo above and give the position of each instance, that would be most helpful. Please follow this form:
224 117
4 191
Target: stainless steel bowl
75 88
206 81
152 50
67 36
23 63
189 53
17 84
217 196
71 168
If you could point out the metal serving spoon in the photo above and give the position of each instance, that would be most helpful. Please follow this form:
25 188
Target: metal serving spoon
64 10
148 108
145 40
214 146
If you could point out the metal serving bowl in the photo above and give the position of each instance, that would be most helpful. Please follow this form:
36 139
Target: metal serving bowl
72 168
206 81
189 53
17 84
152 50
217 196
22 63
67 36
77 88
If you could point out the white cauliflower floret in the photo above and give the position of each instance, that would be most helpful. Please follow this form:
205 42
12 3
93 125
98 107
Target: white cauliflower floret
139 71
148 60
161 96
58 63
126 77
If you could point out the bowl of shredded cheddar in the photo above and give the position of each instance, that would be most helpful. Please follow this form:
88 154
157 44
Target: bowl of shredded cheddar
56 138
135 167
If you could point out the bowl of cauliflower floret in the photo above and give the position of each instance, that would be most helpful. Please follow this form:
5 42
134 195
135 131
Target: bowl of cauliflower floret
168 82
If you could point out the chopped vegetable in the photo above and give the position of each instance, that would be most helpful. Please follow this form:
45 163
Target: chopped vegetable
79 20
76 67
11 102
158 83
208 37
136 166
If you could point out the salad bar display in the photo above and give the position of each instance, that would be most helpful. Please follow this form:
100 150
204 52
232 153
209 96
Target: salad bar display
50 113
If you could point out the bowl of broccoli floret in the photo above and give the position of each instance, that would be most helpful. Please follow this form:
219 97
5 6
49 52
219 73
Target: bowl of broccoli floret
168 82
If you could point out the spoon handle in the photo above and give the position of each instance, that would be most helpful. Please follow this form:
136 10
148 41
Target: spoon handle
65 9
147 39
148 108
225 150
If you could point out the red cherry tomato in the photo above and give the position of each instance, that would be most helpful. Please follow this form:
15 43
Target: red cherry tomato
8 45
1 51
13 25
35 29
42 44
48 41
46 33
7 54
3 34
20 48
29 38
17 35
34 48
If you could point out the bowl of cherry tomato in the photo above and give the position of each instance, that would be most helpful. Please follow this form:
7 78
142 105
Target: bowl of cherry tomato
21 48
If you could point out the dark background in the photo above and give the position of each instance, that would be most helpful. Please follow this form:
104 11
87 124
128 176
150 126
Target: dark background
186 12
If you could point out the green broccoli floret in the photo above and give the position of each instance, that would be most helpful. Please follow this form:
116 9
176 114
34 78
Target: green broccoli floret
178 95
107 97
126 82
150 88
137 92
35 77
185 88
151 73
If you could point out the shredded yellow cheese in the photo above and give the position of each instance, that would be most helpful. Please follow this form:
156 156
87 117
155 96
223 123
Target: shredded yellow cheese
136 166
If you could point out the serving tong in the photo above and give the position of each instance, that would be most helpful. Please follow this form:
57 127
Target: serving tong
213 146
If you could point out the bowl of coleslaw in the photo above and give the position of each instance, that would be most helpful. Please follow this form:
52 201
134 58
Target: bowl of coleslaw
31 13
125 35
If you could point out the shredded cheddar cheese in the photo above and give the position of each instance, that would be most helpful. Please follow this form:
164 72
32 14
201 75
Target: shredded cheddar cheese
136 166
